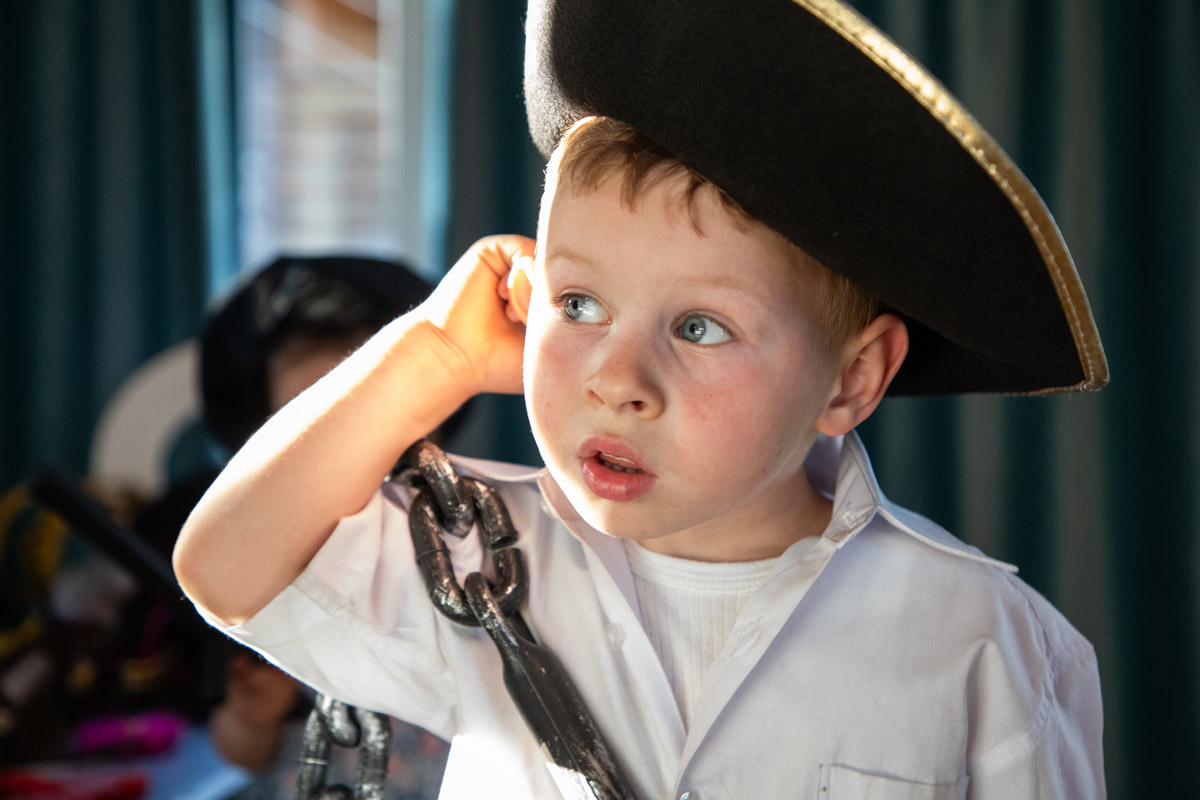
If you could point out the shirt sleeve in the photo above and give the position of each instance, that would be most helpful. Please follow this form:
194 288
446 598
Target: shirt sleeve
358 625
1063 755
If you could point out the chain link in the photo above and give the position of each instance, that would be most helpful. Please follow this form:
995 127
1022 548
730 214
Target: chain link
449 503
332 722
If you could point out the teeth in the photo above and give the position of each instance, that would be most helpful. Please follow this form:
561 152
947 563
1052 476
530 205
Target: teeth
609 462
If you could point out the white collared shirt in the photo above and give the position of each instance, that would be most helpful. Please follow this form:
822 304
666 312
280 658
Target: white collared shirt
887 660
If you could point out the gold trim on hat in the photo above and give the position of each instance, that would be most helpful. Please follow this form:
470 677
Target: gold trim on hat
928 91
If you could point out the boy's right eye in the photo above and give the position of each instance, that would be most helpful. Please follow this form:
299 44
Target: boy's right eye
582 308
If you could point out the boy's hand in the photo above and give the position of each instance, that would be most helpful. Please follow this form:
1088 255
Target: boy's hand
481 315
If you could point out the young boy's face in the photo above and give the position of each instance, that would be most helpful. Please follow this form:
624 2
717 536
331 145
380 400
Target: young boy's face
673 377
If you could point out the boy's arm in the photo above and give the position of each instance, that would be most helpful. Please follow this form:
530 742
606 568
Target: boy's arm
324 454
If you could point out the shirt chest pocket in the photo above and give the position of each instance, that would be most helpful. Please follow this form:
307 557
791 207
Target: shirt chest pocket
839 782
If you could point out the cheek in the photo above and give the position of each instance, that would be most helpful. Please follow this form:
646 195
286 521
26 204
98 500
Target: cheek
549 375
743 424
726 421
536 330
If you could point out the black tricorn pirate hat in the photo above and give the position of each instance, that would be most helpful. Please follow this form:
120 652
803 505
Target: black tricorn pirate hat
313 295
820 126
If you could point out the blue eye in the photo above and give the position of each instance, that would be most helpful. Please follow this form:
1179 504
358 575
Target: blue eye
582 308
699 329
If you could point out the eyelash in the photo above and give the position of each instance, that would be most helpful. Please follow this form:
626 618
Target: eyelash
564 300
708 321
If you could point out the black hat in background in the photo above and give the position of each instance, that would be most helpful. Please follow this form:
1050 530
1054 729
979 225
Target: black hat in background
314 296
819 125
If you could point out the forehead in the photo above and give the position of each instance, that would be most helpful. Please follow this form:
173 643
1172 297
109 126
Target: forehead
670 222
671 183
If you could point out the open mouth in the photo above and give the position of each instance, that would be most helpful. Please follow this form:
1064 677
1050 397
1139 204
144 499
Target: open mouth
618 464
619 476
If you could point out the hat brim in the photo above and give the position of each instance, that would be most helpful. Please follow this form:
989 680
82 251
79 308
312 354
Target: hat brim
823 128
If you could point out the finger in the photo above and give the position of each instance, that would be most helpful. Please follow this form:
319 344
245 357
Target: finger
499 252
517 246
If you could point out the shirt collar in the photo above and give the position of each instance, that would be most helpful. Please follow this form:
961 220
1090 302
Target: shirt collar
838 467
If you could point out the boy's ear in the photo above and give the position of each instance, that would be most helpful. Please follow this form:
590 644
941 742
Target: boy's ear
869 364
519 289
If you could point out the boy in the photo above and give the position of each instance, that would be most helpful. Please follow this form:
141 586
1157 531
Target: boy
743 612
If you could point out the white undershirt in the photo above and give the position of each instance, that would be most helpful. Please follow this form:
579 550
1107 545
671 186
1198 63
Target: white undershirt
688 609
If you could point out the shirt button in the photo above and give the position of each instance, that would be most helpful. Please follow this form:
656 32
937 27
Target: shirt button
615 635
690 796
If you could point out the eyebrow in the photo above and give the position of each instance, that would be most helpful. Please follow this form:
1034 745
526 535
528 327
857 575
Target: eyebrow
722 280
564 253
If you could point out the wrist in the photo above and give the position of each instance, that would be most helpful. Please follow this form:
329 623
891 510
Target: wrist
450 368
435 366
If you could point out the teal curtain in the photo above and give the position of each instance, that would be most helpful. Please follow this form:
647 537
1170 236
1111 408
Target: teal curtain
495 182
1094 497
104 208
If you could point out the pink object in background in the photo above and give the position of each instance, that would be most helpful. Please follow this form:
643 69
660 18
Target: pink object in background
145 734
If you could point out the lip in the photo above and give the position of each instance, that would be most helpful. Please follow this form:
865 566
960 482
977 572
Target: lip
607 483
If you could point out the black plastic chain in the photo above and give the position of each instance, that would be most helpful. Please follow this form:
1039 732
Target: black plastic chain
330 723
446 502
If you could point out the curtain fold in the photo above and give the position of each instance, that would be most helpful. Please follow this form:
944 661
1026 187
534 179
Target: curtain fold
105 219
1149 259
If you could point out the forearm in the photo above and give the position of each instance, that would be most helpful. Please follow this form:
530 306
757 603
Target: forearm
318 460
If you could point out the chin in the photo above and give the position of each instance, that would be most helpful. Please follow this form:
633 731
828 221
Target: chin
618 525
633 520
628 534
624 521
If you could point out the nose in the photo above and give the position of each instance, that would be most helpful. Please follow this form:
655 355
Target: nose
625 379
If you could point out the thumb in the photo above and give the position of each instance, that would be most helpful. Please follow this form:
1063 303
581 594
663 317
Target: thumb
519 289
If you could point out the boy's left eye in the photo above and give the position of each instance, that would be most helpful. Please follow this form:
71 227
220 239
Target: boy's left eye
700 329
